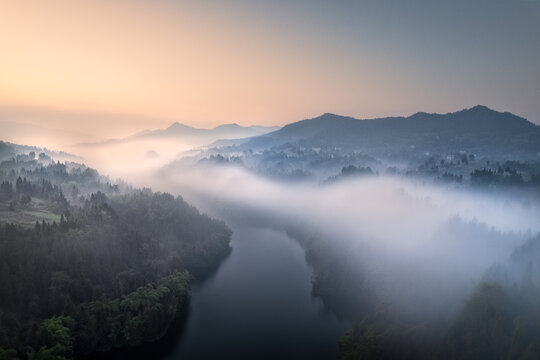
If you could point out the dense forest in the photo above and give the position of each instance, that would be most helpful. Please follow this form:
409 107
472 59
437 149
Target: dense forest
88 266
454 303
499 320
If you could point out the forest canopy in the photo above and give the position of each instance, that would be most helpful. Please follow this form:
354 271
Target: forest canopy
87 265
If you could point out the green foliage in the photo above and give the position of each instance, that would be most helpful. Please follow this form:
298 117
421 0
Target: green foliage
493 324
143 315
8 354
381 336
43 353
54 339
113 270
500 320
484 328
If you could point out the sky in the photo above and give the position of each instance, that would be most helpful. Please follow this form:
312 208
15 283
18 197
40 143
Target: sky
145 64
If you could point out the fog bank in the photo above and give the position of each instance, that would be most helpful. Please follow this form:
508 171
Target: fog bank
413 242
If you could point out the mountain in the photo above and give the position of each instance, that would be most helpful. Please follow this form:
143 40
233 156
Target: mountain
195 135
225 131
478 119
478 130
176 129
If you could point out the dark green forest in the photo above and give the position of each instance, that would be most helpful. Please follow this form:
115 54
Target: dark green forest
87 265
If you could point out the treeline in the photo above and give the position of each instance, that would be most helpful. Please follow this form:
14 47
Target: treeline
114 271
499 321
503 177
352 171
21 194
25 152
73 179
99 325
485 173
495 323
500 318
513 175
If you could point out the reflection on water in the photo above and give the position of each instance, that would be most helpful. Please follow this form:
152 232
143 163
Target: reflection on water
258 306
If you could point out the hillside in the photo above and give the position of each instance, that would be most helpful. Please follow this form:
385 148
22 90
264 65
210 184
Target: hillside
88 265
478 130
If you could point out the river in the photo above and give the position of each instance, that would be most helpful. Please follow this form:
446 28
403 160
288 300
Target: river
258 305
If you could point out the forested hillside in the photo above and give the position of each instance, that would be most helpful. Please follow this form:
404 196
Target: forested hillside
443 146
499 320
87 265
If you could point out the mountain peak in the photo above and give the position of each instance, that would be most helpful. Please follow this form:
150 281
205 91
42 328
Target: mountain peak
177 125
330 116
478 120
478 109
475 110
228 126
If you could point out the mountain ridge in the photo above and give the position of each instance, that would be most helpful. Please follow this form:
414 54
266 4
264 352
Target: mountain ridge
479 114
478 129
179 130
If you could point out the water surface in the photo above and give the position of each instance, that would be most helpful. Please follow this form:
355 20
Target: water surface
258 305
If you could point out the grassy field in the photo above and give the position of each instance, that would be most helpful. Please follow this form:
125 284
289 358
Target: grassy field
37 211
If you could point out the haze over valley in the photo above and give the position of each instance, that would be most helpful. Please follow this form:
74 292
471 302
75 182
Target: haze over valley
461 192
269 180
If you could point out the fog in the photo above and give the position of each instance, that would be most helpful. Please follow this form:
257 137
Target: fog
415 209
411 241
411 248
134 161
415 243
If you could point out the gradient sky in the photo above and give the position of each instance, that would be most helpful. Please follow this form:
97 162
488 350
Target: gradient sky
267 62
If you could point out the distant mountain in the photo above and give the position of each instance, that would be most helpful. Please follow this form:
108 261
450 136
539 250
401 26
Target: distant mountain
478 119
478 129
225 131
184 132
176 129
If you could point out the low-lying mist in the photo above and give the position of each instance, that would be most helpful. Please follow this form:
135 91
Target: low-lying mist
420 247
134 160
403 250
409 242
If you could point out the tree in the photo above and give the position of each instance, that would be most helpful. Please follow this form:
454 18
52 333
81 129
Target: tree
74 192
54 336
8 354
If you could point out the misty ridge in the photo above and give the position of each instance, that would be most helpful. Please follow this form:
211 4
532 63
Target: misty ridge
440 239
406 217
416 210
192 135
121 156
422 231
193 180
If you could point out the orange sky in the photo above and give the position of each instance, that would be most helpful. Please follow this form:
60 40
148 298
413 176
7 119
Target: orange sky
211 62
187 64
